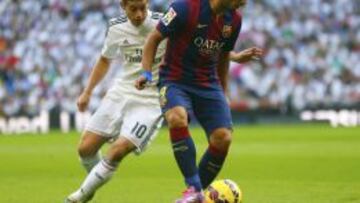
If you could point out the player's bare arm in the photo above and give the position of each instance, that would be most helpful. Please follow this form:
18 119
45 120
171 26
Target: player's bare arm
150 49
223 69
246 55
99 71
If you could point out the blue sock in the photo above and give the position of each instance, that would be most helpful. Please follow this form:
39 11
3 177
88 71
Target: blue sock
185 155
194 181
210 165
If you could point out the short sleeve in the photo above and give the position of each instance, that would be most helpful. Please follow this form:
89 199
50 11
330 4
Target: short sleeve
174 19
110 49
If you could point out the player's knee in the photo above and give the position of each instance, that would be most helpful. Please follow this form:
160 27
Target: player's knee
119 150
177 118
89 144
85 150
116 155
221 138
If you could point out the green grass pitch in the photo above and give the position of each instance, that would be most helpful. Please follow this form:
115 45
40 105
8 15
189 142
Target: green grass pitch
271 163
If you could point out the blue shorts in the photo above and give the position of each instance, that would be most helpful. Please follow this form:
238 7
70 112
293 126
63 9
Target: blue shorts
208 106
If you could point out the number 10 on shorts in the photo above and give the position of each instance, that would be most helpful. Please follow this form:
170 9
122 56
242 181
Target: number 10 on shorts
139 130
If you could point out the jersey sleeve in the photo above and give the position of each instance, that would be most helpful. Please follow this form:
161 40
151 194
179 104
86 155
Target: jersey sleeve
110 49
232 40
174 19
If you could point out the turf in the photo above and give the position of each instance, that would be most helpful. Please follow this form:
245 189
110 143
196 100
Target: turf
271 163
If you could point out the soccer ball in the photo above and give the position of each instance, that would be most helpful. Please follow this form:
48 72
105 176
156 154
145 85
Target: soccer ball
223 191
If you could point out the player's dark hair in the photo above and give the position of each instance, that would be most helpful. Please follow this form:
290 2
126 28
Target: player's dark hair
124 2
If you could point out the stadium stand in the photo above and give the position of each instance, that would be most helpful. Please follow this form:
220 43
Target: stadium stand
312 54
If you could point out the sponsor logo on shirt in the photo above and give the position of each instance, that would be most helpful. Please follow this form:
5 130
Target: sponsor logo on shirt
207 46
137 57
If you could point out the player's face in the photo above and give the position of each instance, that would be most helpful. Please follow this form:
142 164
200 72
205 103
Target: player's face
136 11
235 4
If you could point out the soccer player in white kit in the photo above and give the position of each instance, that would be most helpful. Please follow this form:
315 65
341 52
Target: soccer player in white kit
127 114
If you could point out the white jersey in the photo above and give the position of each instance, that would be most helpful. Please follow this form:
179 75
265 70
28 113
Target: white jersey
122 111
125 41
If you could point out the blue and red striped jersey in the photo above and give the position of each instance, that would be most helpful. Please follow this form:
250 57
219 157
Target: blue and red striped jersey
196 37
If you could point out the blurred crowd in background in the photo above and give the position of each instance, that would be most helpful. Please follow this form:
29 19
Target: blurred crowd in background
312 54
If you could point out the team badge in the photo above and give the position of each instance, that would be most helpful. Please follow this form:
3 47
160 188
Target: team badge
163 99
227 31
169 16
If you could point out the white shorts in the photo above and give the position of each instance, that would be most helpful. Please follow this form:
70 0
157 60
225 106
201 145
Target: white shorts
133 119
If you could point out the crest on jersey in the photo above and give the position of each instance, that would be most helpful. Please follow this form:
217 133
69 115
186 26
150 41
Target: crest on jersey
169 16
163 100
227 31
126 42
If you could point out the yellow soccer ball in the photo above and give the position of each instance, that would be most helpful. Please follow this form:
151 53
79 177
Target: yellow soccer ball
223 191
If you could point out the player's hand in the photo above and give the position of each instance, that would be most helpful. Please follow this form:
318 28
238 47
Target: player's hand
247 55
83 101
145 78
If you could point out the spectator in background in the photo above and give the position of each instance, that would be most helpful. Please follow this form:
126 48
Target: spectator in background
309 44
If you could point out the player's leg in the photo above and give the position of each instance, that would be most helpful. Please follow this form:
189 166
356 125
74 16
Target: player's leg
103 125
176 114
136 133
104 170
89 149
100 128
213 159
214 115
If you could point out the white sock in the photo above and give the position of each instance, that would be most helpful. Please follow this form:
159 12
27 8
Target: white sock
98 176
89 162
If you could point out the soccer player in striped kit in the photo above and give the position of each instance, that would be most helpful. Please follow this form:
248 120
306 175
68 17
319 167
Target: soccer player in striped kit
193 79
